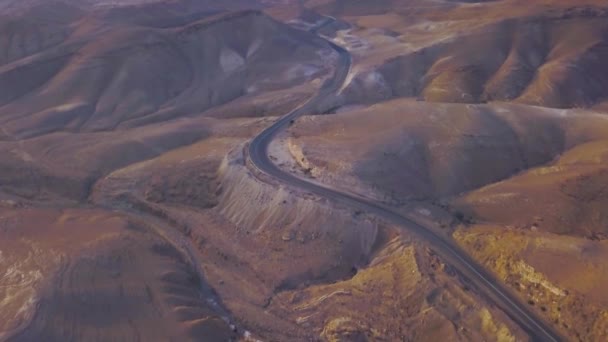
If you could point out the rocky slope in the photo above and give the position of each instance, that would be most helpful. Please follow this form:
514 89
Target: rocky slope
128 209
517 185
290 266
532 53
86 93
125 76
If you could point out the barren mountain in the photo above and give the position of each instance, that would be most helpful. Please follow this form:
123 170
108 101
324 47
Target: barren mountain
495 51
518 186
131 207
99 78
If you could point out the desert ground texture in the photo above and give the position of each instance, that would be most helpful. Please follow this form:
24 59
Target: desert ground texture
132 209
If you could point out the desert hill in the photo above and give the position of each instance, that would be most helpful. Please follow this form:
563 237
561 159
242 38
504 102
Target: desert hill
85 93
430 151
533 53
105 77
129 208
487 121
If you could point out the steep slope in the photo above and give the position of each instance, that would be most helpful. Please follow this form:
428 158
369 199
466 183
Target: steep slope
565 197
128 76
35 30
108 75
544 232
291 266
104 95
472 53
404 149
534 214
128 209
96 275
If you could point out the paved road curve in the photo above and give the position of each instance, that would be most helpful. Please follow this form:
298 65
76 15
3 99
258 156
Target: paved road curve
459 260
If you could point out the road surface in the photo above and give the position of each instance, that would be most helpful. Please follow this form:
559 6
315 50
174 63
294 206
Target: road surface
452 254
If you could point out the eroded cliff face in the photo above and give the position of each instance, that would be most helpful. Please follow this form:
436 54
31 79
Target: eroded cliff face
279 214
87 98
289 265
129 211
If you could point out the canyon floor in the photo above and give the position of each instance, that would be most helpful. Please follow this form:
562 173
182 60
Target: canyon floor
129 209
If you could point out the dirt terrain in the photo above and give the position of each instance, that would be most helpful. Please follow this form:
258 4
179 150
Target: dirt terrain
520 187
129 209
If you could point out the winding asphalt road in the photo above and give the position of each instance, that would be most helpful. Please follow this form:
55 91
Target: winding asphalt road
459 260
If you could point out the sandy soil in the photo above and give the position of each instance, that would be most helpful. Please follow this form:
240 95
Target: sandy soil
128 211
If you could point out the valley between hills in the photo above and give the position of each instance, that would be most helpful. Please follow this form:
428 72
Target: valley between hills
314 170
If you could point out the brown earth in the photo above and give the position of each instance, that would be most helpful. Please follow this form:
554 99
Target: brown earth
127 210
82 274
407 149
525 186
545 53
